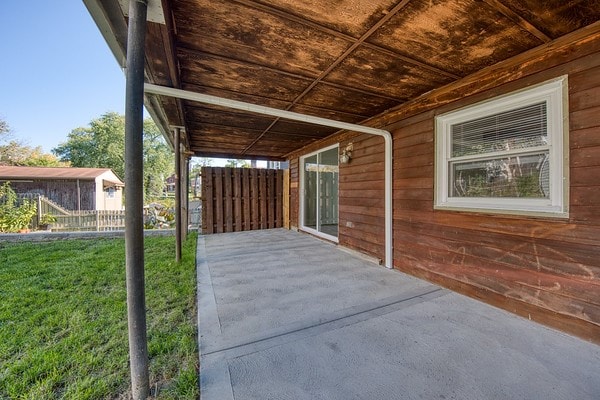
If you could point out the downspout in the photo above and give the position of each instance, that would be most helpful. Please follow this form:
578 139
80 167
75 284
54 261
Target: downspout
254 108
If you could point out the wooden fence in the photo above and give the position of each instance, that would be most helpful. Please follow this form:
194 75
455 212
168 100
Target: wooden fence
241 199
66 220
95 220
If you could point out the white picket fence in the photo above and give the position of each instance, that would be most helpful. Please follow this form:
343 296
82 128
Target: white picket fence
88 220
97 220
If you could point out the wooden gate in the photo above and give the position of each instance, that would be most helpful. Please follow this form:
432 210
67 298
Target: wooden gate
241 199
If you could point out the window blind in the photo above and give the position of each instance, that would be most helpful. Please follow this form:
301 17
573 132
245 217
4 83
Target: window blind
510 130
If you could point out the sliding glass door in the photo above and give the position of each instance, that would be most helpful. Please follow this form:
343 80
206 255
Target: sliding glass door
320 182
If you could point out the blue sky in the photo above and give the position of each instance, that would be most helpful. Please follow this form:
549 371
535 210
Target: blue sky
56 71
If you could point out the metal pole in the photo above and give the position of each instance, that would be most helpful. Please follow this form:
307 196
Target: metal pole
134 219
177 145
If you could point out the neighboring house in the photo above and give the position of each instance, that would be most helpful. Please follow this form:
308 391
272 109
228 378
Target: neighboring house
278 165
493 109
71 188
170 184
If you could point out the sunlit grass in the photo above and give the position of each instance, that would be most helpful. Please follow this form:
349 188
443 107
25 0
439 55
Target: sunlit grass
63 320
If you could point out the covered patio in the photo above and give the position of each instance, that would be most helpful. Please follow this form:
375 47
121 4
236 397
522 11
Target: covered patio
394 110
283 315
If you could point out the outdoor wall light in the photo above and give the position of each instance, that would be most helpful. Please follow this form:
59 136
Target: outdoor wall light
346 154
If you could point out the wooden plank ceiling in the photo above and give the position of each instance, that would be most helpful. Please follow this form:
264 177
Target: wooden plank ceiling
348 60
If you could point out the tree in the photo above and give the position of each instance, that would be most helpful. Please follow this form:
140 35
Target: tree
237 164
15 152
159 160
4 129
197 164
37 158
102 145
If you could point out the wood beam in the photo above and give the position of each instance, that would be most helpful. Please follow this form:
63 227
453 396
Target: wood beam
198 53
199 89
409 60
321 28
519 20
172 60
257 131
581 43
337 62
211 154
350 49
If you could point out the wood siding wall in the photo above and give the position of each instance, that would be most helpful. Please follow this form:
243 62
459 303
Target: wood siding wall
544 269
62 192
362 201
241 199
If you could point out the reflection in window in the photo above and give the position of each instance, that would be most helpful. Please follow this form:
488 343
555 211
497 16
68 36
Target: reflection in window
505 154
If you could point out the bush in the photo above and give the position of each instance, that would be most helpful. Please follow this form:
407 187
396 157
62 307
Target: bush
47 219
14 217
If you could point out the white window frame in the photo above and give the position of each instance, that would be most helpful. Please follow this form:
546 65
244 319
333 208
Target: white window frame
554 93
312 231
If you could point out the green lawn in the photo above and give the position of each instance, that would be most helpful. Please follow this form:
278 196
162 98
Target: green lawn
63 320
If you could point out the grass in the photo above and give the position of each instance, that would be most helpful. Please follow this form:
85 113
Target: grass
63 320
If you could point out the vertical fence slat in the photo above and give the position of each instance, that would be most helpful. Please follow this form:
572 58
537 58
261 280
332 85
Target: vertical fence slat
228 215
208 208
279 199
271 197
219 199
263 199
246 201
254 199
237 200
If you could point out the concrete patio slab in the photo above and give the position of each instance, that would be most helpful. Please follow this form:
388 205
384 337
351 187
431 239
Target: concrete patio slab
283 315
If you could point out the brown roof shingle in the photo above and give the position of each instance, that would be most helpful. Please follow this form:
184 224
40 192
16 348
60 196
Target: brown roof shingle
12 172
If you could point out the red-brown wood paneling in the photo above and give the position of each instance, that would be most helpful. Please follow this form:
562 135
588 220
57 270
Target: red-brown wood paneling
544 268
362 196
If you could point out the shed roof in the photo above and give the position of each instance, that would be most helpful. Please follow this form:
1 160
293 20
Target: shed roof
348 60
16 172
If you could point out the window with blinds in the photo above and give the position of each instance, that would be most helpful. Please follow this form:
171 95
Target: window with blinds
505 154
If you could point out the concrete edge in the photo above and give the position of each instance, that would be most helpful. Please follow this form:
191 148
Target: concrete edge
361 255
44 236
215 379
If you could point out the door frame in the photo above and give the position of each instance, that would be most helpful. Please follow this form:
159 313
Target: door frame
302 197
